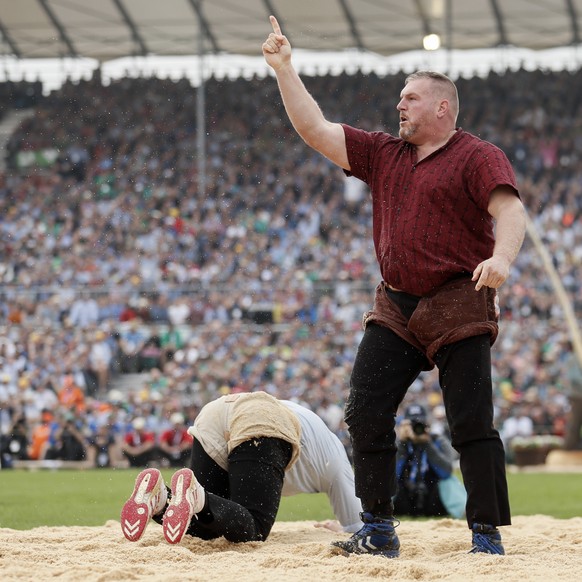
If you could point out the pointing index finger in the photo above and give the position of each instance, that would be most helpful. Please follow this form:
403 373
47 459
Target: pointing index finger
275 25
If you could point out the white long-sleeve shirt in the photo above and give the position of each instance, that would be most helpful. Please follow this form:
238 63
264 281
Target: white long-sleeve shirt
323 467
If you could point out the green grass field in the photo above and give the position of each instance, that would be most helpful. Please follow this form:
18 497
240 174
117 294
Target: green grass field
31 499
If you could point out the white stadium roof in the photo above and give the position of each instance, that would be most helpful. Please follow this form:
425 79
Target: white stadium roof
52 40
110 29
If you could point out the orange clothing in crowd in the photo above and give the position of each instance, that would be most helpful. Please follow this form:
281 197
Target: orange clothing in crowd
70 395
38 440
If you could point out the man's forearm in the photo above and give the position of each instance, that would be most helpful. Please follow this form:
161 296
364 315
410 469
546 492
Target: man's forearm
509 214
509 233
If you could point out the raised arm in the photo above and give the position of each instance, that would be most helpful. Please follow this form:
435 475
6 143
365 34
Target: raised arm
304 113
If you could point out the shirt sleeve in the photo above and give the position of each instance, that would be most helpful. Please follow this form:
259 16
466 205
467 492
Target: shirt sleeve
360 148
488 169
323 467
342 497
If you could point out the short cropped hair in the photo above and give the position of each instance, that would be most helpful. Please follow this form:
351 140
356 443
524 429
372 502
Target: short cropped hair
448 86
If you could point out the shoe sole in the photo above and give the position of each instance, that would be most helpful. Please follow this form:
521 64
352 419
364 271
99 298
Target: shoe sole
492 551
388 555
137 512
181 506
339 551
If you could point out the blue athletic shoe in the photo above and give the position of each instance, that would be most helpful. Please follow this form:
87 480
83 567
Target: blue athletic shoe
377 537
486 540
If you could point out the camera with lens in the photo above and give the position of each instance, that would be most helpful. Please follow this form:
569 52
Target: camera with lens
418 427
418 418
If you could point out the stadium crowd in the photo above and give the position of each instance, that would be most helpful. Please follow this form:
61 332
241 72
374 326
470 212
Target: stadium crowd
117 256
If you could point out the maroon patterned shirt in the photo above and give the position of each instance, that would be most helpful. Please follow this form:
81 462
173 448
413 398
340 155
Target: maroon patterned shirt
430 219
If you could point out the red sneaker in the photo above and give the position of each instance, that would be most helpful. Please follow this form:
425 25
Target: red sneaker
149 498
186 500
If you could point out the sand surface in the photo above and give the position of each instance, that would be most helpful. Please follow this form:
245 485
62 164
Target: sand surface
538 548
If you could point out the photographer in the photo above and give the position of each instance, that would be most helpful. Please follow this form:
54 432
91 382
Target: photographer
14 445
69 444
423 460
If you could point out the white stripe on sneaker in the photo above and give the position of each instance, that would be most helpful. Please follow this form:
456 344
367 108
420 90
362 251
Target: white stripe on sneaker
149 493
187 499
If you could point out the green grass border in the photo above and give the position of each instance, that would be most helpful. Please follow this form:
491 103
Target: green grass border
92 497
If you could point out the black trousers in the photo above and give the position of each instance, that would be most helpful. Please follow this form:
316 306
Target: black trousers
384 368
241 503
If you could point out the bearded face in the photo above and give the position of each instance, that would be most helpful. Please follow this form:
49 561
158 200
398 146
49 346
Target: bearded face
407 130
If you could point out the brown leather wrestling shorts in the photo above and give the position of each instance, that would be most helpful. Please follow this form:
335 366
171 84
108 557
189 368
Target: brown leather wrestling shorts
451 313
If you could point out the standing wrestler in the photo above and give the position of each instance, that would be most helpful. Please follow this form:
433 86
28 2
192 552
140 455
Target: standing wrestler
437 193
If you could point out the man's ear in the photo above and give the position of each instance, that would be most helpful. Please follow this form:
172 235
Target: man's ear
443 108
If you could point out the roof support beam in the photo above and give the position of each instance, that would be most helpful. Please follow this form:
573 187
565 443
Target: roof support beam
353 26
573 21
197 7
135 35
503 40
272 10
8 40
424 18
60 28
